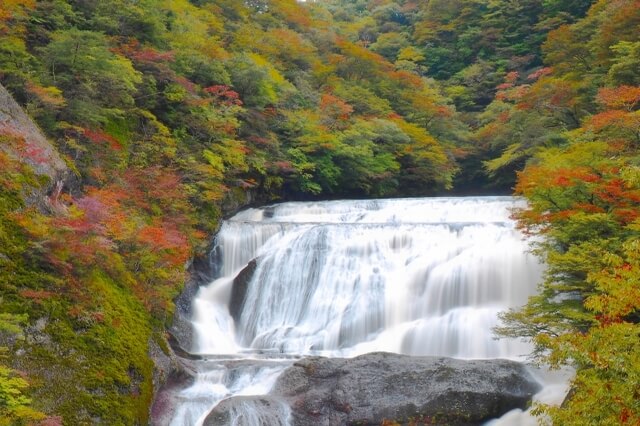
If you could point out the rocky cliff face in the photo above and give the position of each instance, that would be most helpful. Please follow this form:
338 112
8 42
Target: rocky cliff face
21 139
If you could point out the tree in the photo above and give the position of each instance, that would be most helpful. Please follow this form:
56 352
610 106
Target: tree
96 83
585 203
389 45
257 82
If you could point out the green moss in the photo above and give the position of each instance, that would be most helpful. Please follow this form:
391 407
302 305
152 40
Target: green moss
93 367
162 343
88 367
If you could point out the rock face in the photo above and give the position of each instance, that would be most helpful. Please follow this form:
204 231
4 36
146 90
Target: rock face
180 376
371 388
34 148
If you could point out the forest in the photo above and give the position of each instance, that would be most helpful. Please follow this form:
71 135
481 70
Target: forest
169 115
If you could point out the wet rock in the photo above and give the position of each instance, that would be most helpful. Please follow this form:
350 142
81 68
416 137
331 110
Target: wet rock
371 388
180 376
200 273
239 290
168 367
181 328
249 411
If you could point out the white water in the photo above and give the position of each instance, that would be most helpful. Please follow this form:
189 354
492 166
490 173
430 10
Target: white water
342 278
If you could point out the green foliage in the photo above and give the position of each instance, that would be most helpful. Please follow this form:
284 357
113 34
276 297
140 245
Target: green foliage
256 82
577 139
584 197
14 405
624 69
389 45
97 84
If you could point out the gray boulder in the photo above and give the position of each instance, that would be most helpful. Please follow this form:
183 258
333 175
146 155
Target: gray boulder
375 387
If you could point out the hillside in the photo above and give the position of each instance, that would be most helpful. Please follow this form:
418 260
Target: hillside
163 116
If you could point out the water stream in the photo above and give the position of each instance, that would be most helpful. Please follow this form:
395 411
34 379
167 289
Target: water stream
342 278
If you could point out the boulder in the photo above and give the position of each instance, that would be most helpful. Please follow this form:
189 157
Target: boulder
380 386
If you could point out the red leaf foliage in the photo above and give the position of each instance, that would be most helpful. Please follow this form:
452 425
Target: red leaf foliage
98 136
224 94
36 295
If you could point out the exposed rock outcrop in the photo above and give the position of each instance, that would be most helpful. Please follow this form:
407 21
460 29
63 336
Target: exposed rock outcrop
371 388
21 139
180 375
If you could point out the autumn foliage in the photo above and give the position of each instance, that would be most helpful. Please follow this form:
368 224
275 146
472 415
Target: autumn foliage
582 182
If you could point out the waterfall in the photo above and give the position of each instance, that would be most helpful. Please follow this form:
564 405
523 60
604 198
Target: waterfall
342 278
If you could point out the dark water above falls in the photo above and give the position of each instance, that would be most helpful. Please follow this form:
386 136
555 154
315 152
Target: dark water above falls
342 278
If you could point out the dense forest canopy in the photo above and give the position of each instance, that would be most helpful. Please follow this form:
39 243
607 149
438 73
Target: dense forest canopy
169 113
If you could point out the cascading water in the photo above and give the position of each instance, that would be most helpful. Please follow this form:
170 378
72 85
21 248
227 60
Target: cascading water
342 278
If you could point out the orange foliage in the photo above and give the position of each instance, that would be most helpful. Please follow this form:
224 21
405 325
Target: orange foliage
619 126
540 73
406 78
511 77
167 238
606 119
224 94
621 23
132 49
47 95
594 190
292 12
622 97
335 107
8 8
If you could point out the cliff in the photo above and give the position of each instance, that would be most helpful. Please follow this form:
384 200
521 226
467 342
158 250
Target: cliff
22 140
